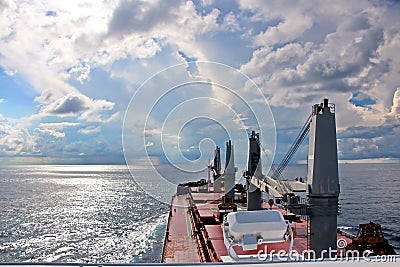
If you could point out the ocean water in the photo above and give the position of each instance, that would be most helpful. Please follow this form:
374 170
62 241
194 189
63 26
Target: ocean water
98 214
77 214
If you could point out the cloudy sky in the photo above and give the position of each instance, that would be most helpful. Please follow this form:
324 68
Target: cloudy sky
69 69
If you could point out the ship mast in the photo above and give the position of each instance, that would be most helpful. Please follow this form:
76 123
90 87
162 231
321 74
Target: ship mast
254 201
323 180
216 168
230 170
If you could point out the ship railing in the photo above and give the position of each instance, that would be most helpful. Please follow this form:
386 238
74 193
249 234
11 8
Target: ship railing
197 227
166 237
346 233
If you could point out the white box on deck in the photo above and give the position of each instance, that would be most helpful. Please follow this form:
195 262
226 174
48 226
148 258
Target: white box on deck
268 224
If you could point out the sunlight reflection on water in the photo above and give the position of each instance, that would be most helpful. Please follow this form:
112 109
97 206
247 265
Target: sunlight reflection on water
77 214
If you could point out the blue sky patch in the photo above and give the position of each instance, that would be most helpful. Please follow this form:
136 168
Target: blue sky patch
51 13
361 99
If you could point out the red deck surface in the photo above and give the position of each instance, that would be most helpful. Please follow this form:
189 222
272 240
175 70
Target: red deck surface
206 197
179 245
206 210
185 247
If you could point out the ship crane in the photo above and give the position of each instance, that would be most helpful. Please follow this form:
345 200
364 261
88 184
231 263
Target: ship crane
322 185
277 171
216 170
273 184
224 181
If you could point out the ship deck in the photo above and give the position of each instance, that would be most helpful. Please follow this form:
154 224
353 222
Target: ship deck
179 245
194 232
